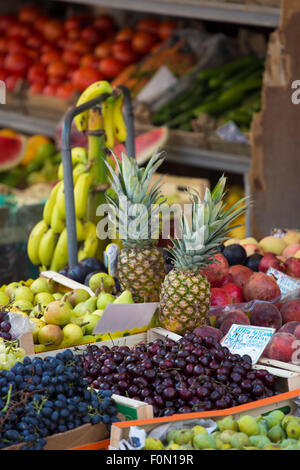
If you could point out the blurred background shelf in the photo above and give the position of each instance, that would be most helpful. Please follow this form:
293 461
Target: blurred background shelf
256 15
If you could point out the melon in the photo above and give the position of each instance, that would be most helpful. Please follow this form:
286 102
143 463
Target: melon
12 149
145 144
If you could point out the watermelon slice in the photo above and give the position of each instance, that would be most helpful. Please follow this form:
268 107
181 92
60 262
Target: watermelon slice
145 144
12 149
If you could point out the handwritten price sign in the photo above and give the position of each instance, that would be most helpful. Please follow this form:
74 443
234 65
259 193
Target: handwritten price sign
250 340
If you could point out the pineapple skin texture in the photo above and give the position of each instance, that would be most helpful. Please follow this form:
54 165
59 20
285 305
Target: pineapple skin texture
184 301
142 271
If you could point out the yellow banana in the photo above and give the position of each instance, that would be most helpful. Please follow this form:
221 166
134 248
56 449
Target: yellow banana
57 223
60 202
46 247
34 241
94 90
119 125
60 255
79 155
108 121
90 243
49 205
79 169
81 193
80 231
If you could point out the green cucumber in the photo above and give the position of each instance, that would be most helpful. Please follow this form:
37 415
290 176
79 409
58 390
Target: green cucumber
225 71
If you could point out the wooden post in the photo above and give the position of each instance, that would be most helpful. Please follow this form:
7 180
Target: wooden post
275 133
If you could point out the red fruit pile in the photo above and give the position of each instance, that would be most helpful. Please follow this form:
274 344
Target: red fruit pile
195 374
58 57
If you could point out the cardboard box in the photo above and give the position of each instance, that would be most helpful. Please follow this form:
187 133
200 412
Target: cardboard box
283 401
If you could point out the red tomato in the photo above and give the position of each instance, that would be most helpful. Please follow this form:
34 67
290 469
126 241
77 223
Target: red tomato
33 54
57 69
123 51
104 49
15 45
111 67
6 21
3 44
55 80
37 74
50 89
125 34
20 31
49 57
62 42
85 76
91 35
149 24
35 41
89 59
53 30
71 58
11 81
73 34
167 28
36 88
2 57
104 23
81 46
40 22
65 91
3 74
28 14
143 41
73 22
17 63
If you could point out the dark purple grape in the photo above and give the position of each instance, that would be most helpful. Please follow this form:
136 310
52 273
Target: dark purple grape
5 326
235 377
257 390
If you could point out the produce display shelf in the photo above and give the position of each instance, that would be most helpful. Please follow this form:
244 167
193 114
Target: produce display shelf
26 123
256 15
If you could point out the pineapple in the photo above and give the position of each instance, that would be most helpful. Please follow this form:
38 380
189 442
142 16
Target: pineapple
185 293
141 266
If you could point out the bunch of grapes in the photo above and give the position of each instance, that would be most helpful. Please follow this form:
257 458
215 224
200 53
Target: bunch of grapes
41 397
5 325
194 374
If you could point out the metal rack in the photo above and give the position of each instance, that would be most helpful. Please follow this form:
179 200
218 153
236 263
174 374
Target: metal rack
256 15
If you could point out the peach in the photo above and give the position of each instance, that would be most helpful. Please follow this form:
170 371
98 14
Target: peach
236 317
260 286
293 267
235 292
272 244
216 271
252 248
291 237
291 250
239 274
281 347
290 327
270 260
266 314
206 330
290 311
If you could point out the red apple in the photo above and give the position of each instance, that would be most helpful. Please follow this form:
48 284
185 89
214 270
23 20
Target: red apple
270 260
219 297
235 292
293 267
239 274
216 271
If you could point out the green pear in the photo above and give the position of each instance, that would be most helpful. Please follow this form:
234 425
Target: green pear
248 425
104 299
102 281
23 305
58 313
77 296
124 298
50 334
42 284
57 296
293 430
228 423
4 299
259 441
38 325
183 436
287 442
276 433
239 440
92 321
10 289
91 303
274 418
226 436
23 293
43 298
204 441
72 334
80 310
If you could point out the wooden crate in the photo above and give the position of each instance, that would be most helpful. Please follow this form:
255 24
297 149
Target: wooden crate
283 401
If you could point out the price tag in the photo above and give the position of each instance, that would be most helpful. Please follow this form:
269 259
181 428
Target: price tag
247 339
161 81
286 283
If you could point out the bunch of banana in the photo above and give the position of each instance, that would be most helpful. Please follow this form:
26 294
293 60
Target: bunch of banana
113 119
47 244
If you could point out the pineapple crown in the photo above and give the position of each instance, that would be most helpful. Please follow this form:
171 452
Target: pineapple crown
135 208
210 224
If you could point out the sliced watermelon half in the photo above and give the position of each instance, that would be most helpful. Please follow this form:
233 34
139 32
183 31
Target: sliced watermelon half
12 149
145 144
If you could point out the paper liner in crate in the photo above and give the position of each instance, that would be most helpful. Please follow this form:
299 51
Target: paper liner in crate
137 436
20 325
